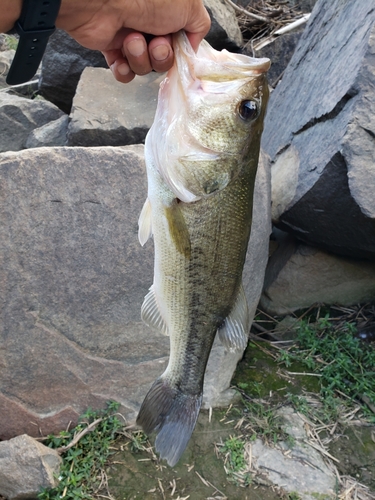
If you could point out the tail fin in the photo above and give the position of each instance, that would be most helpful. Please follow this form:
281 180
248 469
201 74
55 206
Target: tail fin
172 415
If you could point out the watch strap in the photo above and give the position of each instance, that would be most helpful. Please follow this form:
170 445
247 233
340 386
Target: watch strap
35 25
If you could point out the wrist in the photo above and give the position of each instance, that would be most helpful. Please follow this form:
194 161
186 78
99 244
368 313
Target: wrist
10 12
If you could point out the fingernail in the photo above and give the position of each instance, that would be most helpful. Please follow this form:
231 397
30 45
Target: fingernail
123 69
136 47
161 52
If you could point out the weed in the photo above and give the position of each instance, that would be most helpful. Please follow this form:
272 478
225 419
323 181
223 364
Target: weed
293 495
345 365
138 441
261 420
11 41
81 472
233 448
300 403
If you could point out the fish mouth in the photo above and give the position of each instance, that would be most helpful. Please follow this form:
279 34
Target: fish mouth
210 64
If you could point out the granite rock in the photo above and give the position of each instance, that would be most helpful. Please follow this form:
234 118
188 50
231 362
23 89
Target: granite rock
106 112
299 275
53 133
294 468
73 281
224 32
319 132
26 466
62 65
19 116
280 52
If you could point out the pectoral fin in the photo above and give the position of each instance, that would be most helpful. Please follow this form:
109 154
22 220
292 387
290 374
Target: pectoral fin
144 223
150 313
178 229
233 333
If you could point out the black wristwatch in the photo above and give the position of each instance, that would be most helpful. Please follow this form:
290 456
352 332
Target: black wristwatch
35 25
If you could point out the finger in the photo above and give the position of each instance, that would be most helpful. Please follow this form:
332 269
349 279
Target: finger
112 55
198 27
136 53
161 53
195 39
119 66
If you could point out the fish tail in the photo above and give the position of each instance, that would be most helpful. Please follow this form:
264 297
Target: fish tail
172 415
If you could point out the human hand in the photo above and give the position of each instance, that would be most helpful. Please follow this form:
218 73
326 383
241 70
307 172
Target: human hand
117 28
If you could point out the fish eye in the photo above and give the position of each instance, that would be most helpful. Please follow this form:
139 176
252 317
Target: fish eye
248 110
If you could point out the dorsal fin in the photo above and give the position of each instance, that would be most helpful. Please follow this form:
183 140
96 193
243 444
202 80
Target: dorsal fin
150 313
234 332
144 223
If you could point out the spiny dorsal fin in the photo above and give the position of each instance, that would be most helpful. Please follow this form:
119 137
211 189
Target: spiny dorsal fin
234 332
150 313
144 223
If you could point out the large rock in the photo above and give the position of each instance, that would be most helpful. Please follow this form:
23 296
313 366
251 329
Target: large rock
320 130
299 276
224 32
280 52
19 116
26 466
73 280
63 62
294 468
106 112
53 133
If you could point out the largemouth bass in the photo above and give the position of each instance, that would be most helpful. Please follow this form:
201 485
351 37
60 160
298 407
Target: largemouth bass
201 156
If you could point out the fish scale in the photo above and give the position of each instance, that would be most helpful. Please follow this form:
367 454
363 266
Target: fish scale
201 159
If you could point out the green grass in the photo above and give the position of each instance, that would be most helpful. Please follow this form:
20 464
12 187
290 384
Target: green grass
330 374
345 364
84 463
234 449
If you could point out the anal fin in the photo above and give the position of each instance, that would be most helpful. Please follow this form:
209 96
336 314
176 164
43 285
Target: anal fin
150 313
234 332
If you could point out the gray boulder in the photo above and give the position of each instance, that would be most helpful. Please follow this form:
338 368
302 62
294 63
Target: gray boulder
106 112
19 116
299 276
224 32
319 132
53 133
62 65
73 280
294 468
26 466
280 52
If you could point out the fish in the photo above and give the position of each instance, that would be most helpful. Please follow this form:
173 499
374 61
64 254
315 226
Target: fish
201 156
